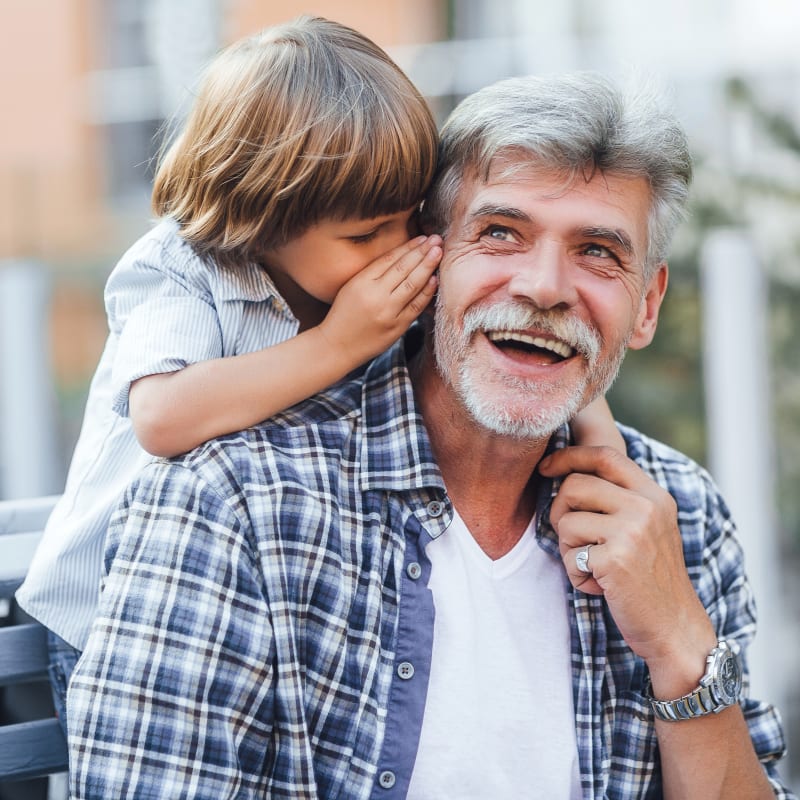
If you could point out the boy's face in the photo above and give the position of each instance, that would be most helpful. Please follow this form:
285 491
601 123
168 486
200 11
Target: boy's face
321 260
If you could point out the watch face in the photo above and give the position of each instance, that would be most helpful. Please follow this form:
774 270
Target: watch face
729 682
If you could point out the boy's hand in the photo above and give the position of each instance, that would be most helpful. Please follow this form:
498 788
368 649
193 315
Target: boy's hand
594 427
377 305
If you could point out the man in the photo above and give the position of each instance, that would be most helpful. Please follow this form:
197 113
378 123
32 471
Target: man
410 586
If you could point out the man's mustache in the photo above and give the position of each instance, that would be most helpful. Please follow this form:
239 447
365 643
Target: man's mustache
522 317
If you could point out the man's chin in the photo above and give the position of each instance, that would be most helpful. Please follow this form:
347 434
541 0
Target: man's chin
521 423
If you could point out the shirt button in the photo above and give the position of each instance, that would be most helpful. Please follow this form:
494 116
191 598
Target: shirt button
414 570
387 779
435 508
405 670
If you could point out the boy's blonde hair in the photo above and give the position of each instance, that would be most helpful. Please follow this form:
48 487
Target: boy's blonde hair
305 121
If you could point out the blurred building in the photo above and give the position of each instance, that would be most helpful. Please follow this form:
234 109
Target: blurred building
86 86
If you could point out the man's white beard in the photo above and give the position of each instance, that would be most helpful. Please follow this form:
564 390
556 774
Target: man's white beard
541 416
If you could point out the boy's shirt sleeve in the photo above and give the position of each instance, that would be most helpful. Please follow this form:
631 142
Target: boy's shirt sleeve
162 316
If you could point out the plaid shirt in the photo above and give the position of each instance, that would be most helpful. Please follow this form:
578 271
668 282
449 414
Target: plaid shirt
265 629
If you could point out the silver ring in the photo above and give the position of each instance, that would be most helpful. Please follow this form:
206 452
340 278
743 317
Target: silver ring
582 559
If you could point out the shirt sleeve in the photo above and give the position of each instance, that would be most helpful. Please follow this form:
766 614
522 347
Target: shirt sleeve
163 316
173 696
731 606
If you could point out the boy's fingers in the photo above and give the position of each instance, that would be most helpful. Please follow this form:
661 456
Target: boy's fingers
384 263
411 274
422 299
399 265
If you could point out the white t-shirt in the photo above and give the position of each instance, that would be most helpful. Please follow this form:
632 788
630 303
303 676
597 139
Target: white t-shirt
499 720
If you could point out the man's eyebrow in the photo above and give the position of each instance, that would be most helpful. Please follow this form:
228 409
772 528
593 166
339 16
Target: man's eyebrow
491 210
616 235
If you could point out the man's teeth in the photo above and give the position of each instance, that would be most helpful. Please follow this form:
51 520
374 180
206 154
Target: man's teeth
559 348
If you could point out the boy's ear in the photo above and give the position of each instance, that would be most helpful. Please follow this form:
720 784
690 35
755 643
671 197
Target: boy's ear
647 319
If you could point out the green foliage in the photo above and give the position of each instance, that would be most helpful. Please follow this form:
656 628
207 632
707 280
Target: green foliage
660 389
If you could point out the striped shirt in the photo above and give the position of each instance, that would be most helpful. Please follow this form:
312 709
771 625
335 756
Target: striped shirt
265 627
166 309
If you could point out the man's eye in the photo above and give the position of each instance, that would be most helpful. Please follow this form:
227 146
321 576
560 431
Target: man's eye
597 251
499 233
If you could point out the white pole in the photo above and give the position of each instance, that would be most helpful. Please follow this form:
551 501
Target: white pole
736 368
28 444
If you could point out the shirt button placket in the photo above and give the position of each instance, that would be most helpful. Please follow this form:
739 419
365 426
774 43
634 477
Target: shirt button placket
387 779
405 670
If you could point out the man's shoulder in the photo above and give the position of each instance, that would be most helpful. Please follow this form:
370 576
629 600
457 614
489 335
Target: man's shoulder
673 469
333 412
240 474
355 427
311 431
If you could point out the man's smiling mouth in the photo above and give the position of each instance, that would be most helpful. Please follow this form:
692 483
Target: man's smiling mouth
527 343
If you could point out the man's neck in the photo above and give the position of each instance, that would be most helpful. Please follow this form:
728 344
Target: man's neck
491 479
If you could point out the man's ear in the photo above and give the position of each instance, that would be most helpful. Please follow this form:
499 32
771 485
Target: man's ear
647 319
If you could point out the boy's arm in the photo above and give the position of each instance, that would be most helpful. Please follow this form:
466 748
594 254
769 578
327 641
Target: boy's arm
173 412
594 427
176 411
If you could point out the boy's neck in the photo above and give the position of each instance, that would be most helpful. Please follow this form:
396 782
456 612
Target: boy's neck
308 311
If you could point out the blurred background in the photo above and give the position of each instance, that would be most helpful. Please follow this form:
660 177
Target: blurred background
87 84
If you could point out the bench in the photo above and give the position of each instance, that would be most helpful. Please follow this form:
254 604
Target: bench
29 747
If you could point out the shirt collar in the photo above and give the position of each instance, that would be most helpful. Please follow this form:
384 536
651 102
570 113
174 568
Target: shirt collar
396 453
548 489
248 282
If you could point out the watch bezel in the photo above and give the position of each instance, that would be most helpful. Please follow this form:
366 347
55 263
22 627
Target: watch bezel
724 674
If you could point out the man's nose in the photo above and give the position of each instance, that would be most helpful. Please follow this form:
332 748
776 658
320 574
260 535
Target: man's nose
543 277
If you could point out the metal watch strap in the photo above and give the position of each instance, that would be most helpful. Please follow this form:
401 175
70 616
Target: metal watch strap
719 687
695 704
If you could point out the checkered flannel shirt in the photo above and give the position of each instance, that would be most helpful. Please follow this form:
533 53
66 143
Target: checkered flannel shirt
265 595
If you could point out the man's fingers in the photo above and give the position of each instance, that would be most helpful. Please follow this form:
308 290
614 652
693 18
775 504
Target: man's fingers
582 492
574 559
579 528
604 462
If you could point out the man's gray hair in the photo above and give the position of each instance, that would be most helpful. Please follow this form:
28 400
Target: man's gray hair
577 124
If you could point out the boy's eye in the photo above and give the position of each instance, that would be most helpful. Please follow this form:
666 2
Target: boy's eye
363 238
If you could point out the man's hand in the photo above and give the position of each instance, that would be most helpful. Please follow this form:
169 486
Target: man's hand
636 559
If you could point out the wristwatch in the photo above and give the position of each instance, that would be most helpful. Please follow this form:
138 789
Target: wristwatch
719 687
